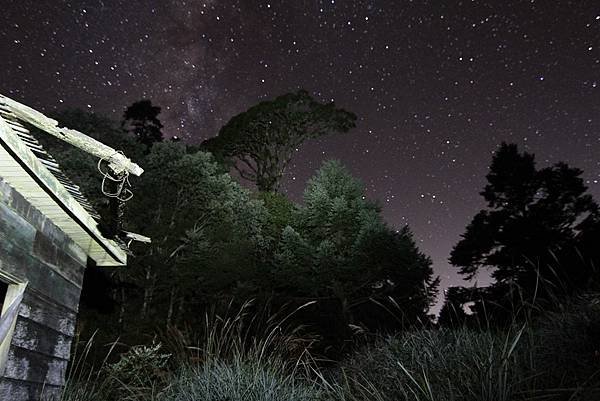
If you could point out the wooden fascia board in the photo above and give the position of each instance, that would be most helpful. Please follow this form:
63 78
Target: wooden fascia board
30 164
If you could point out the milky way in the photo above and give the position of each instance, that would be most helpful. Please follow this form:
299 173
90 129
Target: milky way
437 85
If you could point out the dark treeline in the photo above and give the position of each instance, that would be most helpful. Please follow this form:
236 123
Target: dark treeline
364 287
216 243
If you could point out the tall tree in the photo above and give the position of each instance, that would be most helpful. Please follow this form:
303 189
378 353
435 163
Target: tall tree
533 226
207 242
260 142
341 247
206 233
141 119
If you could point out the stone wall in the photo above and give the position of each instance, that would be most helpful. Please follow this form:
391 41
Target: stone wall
33 249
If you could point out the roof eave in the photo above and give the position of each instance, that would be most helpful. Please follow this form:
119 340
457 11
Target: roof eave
54 200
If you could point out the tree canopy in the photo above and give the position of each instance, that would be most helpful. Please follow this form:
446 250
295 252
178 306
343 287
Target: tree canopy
141 119
259 143
339 246
534 226
215 242
206 230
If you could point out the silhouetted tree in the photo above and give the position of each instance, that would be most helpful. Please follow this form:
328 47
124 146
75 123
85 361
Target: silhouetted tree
260 142
533 225
141 119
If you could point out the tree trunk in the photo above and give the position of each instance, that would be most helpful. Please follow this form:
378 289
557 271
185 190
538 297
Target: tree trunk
171 304
179 309
122 308
148 291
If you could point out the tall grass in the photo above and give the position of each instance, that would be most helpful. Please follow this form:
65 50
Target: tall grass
239 379
240 355
436 365
84 381
244 355
555 356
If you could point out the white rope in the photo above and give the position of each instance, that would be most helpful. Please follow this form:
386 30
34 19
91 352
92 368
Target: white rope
122 193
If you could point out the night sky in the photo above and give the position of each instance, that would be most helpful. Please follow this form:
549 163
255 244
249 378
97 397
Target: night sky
437 85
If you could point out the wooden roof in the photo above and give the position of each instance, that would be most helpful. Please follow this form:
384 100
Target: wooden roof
29 169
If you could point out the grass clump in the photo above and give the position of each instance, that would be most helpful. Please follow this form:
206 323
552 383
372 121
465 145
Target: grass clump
567 348
244 358
436 365
554 357
240 380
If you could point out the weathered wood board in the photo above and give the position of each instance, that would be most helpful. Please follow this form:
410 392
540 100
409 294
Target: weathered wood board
34 250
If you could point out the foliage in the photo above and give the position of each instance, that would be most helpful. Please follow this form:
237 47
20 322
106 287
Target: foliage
212 240
534 228
338 250
280 212
141 119
245 351
452 313
206 232
260 142
137 373
351 240
520 363
569 339
239 381
553 358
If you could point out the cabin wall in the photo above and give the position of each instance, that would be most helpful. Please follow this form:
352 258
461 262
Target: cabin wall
34 250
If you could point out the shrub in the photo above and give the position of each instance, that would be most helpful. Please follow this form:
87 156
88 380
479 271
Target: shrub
137 375
139 372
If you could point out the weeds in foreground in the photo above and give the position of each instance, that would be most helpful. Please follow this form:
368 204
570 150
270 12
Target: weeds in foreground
234 355
438 365
556 358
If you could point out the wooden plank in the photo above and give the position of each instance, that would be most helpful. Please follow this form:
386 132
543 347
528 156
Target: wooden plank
117 161
20 205
9 168
13 228
17 390
46 312
45 250
68 267
49 246
41 277
34 367
41 339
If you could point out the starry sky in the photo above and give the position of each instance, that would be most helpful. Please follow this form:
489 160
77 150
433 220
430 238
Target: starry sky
437 85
